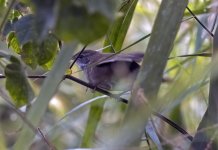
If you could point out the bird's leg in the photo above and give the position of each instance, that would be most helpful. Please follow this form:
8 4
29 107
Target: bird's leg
120 94
94 87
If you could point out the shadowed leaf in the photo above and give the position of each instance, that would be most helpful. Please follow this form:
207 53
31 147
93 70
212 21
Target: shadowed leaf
43 54
76 23
25 29
105 7
28 54
46 16
47 52
17 83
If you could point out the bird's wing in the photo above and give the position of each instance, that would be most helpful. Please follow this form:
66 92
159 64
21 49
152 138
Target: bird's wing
132 57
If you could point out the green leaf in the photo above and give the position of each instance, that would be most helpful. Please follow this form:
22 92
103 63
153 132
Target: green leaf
105 7
95 113
47 50
43 54
17 83
24 42
2 3
13 43
118 30
14 15
46 16
75 22
85 20
28 54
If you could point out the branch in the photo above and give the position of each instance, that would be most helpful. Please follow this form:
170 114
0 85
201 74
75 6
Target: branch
115 96
203 26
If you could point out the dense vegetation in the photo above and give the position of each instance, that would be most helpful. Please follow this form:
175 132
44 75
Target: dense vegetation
46 102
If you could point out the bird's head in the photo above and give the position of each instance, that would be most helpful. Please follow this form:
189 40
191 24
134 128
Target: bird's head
86 57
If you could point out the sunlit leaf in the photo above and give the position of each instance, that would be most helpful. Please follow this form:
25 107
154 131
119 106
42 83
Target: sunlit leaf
13 43
17 83
118 30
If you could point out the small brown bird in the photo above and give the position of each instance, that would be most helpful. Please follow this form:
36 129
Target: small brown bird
117 72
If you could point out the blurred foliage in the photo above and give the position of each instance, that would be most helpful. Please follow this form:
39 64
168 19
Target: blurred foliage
34 30
118 30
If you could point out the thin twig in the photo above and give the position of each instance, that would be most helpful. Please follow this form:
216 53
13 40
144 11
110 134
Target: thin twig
204 54
209 145
186 19
51 147
111 44
71 66
17 111
96 88
147 140
196 18
173 124
115 96
181 130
